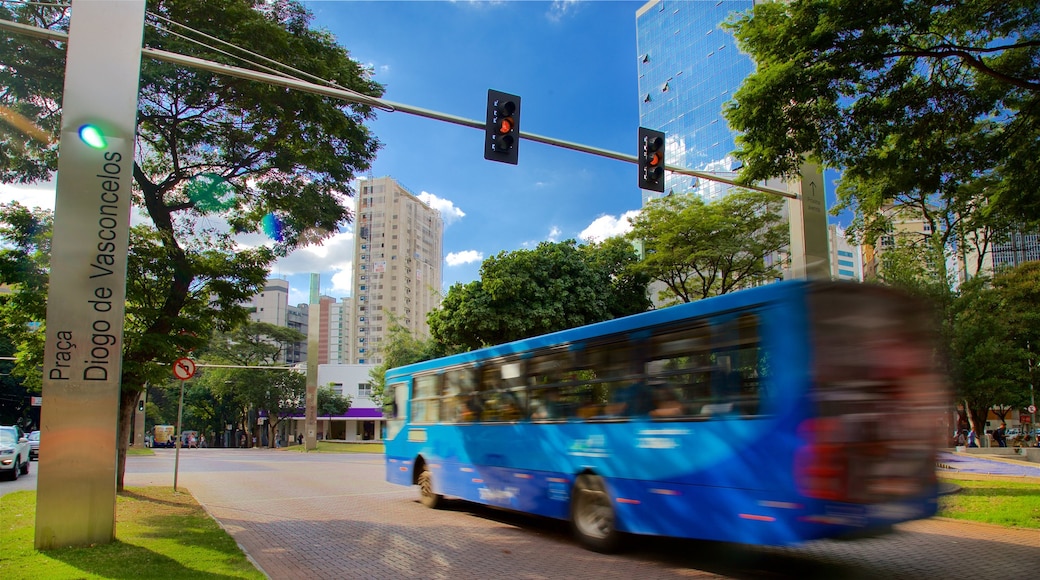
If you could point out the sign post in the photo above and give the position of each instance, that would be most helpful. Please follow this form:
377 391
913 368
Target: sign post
183 369
76 486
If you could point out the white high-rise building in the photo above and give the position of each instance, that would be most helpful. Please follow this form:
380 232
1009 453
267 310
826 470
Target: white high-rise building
398 246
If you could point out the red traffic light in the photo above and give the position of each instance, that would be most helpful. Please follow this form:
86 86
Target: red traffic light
651 160
502 128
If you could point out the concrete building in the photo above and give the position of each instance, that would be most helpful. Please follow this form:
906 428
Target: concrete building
397 266
272 306
362 422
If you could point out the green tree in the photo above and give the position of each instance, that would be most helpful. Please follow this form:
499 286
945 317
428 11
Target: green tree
331 403
996 330
24 266
699 249
531 292
917 97
209 149
280 393
399 348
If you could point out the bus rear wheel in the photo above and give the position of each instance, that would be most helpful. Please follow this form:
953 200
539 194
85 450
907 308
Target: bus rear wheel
592 515
426 494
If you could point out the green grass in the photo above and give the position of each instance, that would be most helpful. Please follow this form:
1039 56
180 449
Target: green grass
336 447
139 451
159 534
994 501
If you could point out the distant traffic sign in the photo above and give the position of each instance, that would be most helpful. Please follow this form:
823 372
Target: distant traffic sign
1032 408
184 368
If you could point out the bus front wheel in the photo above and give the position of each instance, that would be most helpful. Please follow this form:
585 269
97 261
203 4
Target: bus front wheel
592 515
426 494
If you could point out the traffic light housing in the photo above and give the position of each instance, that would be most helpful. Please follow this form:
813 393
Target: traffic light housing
651 160
502 128
140 405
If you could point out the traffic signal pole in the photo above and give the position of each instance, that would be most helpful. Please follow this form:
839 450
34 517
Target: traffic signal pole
389 106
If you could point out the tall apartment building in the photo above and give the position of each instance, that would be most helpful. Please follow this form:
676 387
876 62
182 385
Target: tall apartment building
688 67
905 222
398 248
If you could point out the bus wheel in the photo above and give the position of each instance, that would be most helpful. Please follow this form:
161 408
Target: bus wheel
426 495
592 514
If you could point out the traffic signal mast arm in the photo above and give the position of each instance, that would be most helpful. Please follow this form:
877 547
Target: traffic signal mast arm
354 97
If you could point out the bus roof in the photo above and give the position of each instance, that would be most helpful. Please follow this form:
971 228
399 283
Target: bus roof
714 305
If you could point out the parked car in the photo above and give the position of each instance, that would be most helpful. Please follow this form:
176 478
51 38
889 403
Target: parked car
14 451
34 445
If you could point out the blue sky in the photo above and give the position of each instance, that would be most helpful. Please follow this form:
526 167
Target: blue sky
574 66
573 63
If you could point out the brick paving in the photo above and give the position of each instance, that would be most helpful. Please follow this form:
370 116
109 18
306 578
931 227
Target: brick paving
333 516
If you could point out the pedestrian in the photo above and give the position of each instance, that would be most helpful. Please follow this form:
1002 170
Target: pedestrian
1000 435
278 440
299 438
202 440
972 439
254 440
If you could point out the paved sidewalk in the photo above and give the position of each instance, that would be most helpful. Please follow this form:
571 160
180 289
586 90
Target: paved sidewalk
970 463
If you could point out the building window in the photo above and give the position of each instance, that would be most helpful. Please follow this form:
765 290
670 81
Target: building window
337 388
364 390
849 273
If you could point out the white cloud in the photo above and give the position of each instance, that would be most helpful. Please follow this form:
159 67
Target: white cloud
336 254
464 257
554 234
560 8
35 195
607 226
449 213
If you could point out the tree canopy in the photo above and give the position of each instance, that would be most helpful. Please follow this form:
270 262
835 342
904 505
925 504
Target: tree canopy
698 250
994 342
919 97
523 293
210 150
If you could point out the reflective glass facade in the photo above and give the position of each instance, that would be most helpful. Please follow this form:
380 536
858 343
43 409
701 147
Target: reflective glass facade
688 68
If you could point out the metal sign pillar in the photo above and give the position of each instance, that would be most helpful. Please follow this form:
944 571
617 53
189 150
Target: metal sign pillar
810 255
310 437
76 487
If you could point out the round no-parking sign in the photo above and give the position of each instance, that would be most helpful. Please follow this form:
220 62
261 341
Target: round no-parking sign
184 368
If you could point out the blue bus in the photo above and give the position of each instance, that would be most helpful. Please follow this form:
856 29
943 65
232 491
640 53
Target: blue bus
774 415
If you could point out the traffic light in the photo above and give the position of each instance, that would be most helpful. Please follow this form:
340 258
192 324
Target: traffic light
140 405
502 129
651 160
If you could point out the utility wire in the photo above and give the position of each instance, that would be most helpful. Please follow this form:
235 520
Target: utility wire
272 70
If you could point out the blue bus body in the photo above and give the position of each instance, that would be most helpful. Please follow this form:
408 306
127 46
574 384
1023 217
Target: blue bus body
760 477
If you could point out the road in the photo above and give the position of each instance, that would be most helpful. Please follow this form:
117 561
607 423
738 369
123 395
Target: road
332 516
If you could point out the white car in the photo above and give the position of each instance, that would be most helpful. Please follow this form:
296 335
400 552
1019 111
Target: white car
14 452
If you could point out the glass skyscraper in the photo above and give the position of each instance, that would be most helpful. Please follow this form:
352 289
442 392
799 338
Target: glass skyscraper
688 67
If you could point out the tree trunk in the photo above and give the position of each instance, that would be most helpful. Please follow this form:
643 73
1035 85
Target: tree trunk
127 404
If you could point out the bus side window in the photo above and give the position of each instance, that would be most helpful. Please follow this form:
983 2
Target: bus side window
426 399
460 402
738 367
680 368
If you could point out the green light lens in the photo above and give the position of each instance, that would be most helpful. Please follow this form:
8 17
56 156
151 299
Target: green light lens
92 136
